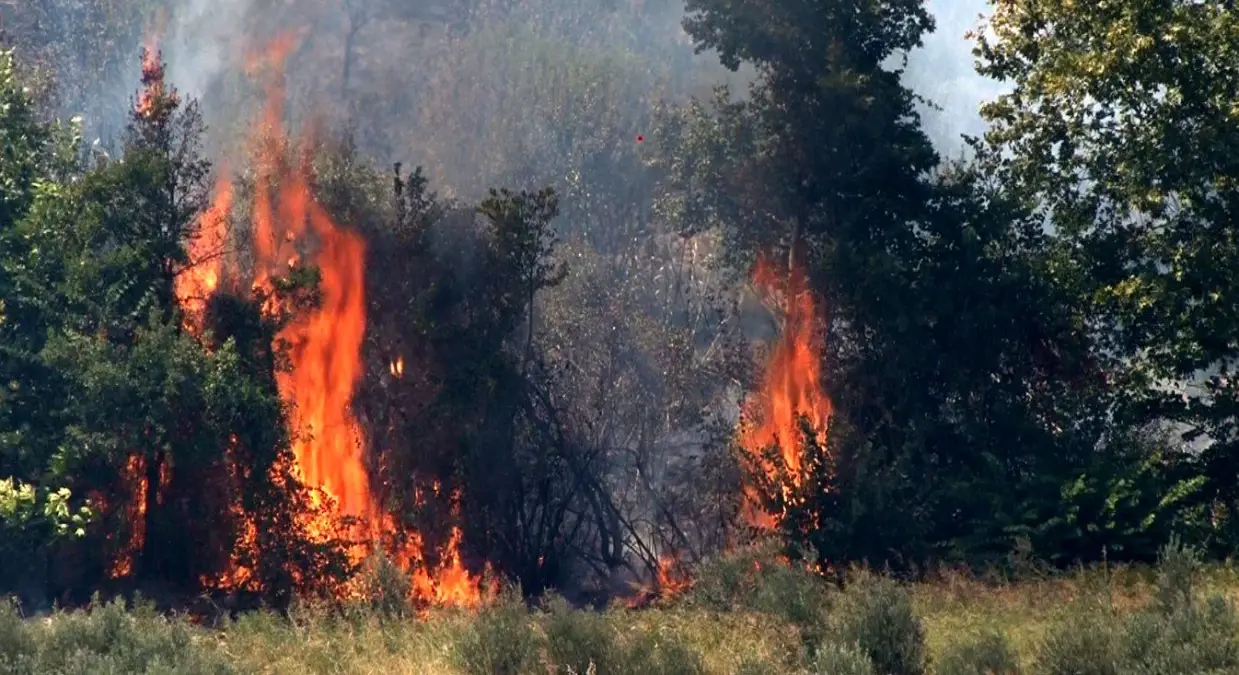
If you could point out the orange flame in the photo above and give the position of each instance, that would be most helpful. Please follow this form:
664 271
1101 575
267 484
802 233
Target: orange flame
133 474
791 390
195 285
155 97
325 347
671 579
450 584
326 343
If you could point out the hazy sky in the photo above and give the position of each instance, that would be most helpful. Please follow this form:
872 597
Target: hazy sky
204 32
943 72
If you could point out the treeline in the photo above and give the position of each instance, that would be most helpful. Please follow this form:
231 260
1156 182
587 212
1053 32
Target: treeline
1028 352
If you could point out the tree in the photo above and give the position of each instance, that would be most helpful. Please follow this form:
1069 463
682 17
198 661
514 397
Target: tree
1120 127
138 413
963 386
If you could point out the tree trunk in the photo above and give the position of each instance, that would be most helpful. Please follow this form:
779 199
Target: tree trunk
150 560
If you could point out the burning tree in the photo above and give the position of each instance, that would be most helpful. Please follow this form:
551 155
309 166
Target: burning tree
307 273
170 425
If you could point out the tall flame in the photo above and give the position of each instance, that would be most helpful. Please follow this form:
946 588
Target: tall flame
791 389
325 344
195 285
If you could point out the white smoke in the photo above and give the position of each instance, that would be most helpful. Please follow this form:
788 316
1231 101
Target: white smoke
203 40
943 71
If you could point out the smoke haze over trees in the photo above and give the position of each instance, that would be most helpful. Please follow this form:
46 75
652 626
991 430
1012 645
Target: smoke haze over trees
577 294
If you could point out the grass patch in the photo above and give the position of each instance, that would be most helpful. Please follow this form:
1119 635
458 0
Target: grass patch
741 618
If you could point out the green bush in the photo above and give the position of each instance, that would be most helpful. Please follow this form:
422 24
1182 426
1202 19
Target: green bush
875 614
385 587
1203 638
840 659
656 653
576 639
755 580
18 647
1181 632
501 640
1087 642
106 639
32 520
989 653
1178 569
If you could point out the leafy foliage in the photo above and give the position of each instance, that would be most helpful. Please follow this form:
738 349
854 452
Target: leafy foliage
1030 350
1120 128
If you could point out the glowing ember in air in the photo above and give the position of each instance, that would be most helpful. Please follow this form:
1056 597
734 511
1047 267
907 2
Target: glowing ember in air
791 389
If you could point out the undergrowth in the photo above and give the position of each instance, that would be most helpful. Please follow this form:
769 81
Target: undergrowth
747 614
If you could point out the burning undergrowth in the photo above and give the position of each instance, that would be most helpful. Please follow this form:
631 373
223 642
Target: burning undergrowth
265 240
783 431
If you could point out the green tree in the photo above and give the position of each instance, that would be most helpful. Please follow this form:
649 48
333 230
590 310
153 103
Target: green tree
137 414
823 164
1121 128
960 377
37 155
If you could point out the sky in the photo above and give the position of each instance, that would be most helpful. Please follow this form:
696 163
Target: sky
943 71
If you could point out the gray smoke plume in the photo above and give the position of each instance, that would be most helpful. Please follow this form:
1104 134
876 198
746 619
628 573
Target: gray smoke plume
204 43
202 40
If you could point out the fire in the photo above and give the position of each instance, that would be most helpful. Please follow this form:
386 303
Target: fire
291 228
155 95
791 390
671 579
200 279
449 584
134 474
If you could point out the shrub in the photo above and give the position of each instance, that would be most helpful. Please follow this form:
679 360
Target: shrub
499 641
1181 633
1086 643
106 639
840 659
875 614
17 645
385 587
576 639
1203 638
989 653
655 653
756 580
1177 571
32 521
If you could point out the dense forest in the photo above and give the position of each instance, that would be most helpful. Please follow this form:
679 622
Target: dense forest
578 294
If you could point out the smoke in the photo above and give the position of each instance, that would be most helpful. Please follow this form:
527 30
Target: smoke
404 62
202 41
943 71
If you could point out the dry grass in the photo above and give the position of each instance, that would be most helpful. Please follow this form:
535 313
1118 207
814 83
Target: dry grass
690 636
957 604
